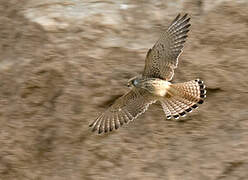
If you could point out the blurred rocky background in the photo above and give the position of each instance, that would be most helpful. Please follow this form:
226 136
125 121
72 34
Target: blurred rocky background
62 62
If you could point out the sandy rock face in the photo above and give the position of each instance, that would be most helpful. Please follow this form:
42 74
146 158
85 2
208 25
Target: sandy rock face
63 62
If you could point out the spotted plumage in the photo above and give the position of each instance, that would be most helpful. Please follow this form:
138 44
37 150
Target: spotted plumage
153 84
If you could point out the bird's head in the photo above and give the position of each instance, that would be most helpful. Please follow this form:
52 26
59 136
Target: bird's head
133 81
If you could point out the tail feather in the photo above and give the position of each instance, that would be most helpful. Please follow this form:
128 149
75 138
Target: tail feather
173 107
177 108
167 109
182 98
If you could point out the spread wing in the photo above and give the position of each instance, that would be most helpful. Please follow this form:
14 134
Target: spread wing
162 59
125 109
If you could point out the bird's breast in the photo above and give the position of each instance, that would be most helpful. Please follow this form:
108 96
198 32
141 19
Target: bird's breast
157 87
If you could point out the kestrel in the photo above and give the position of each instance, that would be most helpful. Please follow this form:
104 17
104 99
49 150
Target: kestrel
154 84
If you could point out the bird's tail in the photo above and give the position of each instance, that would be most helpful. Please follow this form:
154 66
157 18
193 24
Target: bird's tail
182 98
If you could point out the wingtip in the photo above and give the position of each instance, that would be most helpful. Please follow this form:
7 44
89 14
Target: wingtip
178 16
100 131
186 27
185 15
94 129
176 19
105 130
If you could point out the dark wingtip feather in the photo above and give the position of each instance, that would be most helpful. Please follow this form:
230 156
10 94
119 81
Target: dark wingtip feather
100 131
185 31
199 81
185 36
182 114
194 106
182 38
186 27
184 23
203 91
106 130
116 126
202 86
200 101
94 129
187 20
176 19
188 110
176 116
184 16
202 96
178 16
92 123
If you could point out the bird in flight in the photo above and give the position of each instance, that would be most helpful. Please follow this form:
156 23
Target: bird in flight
154 85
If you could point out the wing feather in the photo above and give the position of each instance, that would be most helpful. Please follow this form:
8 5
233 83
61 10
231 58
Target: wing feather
125 109
162 59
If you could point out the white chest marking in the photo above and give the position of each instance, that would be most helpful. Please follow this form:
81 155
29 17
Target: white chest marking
161 87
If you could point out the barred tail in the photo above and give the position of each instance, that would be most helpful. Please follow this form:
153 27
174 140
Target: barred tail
182 98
